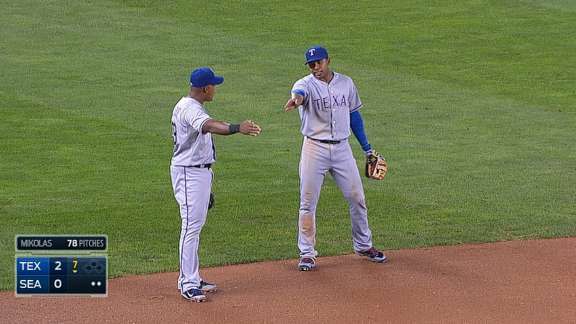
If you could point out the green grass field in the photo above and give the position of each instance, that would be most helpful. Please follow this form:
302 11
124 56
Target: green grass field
472 102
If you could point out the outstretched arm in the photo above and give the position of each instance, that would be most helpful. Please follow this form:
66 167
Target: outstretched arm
296 100
247 127
357 126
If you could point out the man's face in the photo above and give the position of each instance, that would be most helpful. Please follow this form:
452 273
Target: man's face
320 69
209 91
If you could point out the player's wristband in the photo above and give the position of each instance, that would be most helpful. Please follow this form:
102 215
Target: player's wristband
233 128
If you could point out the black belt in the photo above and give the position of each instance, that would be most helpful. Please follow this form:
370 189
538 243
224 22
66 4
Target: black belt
202 165
325 141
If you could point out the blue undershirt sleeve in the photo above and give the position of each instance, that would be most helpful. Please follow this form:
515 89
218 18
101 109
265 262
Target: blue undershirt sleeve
357 126
299 92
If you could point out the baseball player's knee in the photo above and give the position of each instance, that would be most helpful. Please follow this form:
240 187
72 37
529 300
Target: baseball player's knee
355 197
307 214
191 232
193 227
307 196
307 207
307 223
308 202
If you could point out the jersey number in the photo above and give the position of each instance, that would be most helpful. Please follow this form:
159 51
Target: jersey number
174 137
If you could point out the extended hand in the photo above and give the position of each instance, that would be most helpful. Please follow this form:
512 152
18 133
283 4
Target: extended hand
248 127
293 103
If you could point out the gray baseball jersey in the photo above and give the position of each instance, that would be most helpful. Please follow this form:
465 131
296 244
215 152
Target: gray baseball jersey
191 146
325 116
191 182
325 112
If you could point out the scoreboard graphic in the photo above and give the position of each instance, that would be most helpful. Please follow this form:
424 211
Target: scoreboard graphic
61 265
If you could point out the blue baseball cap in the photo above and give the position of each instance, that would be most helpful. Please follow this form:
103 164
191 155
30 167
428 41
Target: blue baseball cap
316 53
204 76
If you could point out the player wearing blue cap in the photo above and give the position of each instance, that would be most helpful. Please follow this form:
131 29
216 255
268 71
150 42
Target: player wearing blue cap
193 156
329 107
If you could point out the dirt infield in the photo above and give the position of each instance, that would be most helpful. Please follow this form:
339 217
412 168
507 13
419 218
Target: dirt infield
509 282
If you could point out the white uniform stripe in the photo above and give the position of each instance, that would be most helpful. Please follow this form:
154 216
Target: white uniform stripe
187 217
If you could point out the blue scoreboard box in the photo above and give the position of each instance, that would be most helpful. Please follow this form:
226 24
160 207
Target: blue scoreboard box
61 265
85 275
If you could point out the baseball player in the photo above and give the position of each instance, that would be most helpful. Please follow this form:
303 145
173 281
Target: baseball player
191 172
329 107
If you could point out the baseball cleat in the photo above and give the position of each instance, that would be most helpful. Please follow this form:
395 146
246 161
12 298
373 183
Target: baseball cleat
194 294
373 255
306 264
207 287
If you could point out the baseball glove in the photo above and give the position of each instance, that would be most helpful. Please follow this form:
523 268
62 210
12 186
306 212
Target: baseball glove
376 166
211 202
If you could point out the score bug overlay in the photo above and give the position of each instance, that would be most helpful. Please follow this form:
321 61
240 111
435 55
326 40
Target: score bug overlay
62 265
97 243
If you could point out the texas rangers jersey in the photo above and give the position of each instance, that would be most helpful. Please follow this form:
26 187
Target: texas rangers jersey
191 146
325 111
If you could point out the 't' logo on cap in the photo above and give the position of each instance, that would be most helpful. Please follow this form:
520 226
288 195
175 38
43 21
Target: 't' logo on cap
315 53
